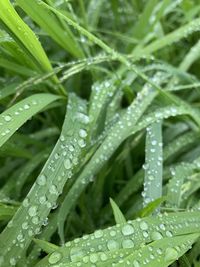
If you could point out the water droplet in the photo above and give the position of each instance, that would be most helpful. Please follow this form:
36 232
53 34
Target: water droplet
145 234
32 211
128 243
35 220
54 257
53 189
67 164
42 179
136 263
26 106
93 258
20 238
162 226
7 118
112 245
45 222
112 233
71 148
98 234
156 236
42 199
81 143
169 234
127 229
26 202
13 261
159 251
25 225
62 138
170 255
143 225
76 253
83 118
154 142
103 257
82 133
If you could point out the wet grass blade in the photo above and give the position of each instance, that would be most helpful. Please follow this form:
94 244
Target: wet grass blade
153 163
13 118
119 217
24 36
49 184
116 238
63 36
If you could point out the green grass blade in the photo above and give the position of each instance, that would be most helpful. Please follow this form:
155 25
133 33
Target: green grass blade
119 217
161 253
49 184
45 246
153 163
52 26
117 134
13 118
172 37
138 232
24 36
6 212
142 26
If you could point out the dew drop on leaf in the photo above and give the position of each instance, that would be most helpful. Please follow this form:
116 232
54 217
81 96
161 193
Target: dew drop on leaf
82 133
54 257
76 253
127 243
32 211
136 263
112 245
7 118
143 225
156 235
67 164
42 179
127 229
170 254
98 234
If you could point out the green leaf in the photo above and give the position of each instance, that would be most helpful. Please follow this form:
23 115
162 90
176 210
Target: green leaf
23 35
119 217
7 212
62 35
121 239
44 245
153 163
14 117
58 169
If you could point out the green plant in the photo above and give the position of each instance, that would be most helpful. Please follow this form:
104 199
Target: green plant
99 133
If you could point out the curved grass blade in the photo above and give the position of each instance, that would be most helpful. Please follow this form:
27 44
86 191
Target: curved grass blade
45 246
171 38
137 232
59 168
163 113
24 36
180 143
161 252
119 217
176 184
63 36
16 185
116 135
7 212
13 118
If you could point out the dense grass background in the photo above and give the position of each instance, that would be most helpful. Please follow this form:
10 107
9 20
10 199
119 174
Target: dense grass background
99 133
